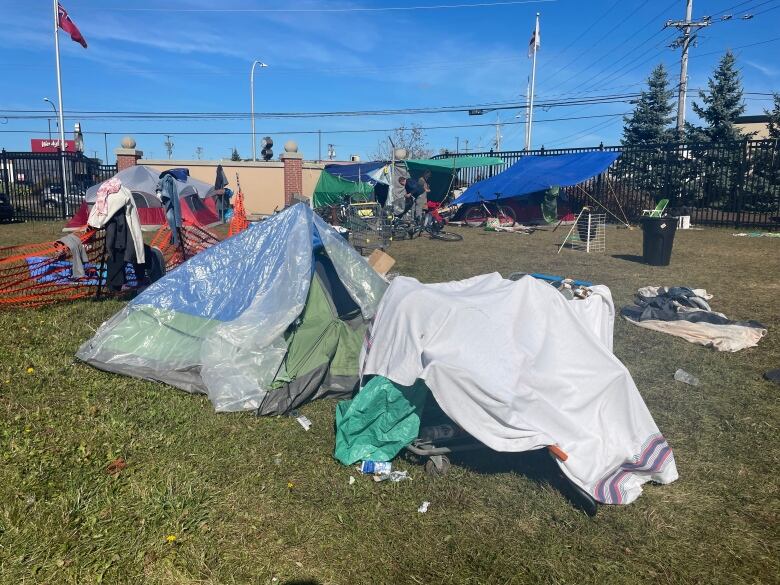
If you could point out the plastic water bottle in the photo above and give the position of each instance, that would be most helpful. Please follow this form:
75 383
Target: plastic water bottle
682 376
376 467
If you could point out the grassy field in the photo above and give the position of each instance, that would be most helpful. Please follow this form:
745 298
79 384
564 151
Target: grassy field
253 500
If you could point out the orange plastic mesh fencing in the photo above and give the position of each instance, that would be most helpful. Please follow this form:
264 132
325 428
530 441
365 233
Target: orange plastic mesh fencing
38 274
35 275
239 222
192 240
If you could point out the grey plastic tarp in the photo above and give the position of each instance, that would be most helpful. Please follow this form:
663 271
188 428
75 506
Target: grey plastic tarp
216 323
142 179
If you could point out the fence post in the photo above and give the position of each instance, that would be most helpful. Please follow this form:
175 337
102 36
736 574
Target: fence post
740 187
61 167
6 186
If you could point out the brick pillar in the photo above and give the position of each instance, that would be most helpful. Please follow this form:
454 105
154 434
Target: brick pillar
293 172
127 155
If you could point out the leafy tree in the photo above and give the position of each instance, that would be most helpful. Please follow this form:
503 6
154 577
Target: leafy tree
650 121
721 105
412 139
235 155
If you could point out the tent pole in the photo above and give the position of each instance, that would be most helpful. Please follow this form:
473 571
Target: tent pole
574 225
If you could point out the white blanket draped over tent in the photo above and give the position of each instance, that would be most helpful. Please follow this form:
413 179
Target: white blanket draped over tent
519 367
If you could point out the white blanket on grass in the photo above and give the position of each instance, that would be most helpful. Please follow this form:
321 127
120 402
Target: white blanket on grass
519 367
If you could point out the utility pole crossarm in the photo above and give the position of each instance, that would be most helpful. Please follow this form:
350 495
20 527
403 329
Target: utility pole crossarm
684 42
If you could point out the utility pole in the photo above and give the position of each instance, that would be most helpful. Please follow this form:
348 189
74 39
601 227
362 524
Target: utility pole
168 145
457 145
684 42
319 145
466 147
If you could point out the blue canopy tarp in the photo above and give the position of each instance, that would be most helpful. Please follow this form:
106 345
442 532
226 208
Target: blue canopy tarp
535 173
355 172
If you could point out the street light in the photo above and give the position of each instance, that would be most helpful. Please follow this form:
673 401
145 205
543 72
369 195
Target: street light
48 121
252 92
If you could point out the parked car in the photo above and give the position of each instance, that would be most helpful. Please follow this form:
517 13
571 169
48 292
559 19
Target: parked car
6 209
53 197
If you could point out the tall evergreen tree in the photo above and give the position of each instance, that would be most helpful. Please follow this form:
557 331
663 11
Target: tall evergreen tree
721 104
650 121
765 183
774 118
234 155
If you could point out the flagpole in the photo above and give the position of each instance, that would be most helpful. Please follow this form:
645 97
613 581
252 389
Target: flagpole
59 98
533 83
527 124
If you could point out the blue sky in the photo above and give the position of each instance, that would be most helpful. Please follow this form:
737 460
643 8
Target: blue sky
195 55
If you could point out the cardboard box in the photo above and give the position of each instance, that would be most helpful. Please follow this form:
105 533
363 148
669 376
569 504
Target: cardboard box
380 261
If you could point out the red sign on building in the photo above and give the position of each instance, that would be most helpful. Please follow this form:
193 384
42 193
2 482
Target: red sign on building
46 145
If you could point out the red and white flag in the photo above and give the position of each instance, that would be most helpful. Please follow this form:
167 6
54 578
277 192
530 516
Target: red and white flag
66 24
535 42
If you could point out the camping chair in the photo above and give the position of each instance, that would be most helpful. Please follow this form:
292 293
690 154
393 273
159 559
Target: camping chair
658 211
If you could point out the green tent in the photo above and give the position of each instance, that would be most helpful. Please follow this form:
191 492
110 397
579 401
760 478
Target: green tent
264 321
331 190
444 171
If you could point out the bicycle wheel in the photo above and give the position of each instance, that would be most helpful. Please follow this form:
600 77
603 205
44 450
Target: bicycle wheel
475 217
446 236
506 216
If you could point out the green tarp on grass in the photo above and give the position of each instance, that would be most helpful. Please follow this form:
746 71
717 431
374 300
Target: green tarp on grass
379 421
331 190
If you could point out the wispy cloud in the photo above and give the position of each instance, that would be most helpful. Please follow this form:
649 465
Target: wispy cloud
765 69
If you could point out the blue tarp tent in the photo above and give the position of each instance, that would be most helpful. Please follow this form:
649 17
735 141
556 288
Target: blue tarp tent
535 173
355 172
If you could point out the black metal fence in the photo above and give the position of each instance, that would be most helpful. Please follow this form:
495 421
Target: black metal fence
735 184
34 182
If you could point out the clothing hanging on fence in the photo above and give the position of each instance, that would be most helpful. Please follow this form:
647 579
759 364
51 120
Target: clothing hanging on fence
78 255
120 249
169 195
121 200
108 187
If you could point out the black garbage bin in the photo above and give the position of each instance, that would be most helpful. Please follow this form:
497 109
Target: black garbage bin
658 239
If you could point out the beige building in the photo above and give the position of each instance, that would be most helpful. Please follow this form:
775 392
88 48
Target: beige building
266 185
758 126
261 182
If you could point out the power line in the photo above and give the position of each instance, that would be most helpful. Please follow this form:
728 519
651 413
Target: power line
725 16
146 115
582 133
774 40
619 48
585 51
767 10
347 131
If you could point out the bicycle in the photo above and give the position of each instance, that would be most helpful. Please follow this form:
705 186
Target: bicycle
431 223
485 210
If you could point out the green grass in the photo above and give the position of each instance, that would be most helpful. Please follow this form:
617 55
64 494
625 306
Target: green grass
219 483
